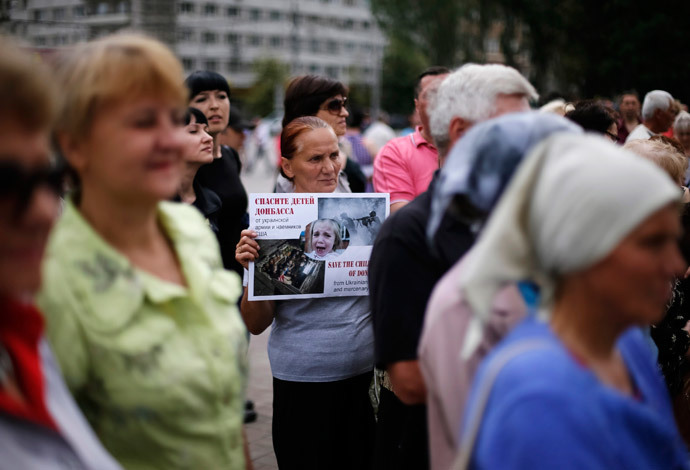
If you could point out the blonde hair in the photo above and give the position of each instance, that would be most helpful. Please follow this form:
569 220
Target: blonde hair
114 68
27 95
335 226
663 154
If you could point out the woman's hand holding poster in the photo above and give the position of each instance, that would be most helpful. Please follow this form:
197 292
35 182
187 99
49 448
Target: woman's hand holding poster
313 245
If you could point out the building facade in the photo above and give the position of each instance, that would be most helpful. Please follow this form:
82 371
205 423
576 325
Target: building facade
337 38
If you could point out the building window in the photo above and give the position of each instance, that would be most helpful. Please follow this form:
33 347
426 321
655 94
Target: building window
58 14
332 71
186 7
350 46
210 9
276 41
314 45
350 3
255 40
40 41
39 15
185 35
211 65
123 7
232 39
366 25
276 15
232 11
313 68
255 14
188 63
349 24
102 8
209 38
78 11
234 65
332 47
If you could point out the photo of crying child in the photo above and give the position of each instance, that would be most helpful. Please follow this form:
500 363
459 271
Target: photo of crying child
324 239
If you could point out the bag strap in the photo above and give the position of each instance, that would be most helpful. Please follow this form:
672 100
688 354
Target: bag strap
469 436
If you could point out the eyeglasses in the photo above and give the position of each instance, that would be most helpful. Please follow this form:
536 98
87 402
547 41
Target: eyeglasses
612 136
335 105
18 185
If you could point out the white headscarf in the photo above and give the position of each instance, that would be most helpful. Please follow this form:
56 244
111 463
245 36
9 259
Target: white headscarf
571 202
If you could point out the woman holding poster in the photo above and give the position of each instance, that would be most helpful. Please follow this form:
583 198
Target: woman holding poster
321 349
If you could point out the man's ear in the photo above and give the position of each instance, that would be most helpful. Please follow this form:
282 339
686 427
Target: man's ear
287 167
457 128
73 151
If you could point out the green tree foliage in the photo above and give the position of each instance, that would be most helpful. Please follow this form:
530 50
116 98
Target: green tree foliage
431 25
270 73
583 47
402 63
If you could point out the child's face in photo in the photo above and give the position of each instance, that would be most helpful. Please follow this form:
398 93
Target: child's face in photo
323 238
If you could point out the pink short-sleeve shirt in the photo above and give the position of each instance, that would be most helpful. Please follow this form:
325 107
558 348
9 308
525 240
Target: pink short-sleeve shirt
404 167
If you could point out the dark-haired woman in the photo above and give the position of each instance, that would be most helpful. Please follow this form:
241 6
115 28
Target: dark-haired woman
210 93
325 98
321 350
595 116
198 151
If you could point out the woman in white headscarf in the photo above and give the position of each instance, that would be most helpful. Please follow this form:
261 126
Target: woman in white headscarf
596 228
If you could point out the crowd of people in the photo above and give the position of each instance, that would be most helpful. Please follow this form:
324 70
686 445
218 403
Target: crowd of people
527 296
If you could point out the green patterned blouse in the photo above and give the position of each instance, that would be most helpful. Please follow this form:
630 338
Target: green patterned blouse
158 369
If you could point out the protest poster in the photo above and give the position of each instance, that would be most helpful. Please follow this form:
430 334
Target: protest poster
313 244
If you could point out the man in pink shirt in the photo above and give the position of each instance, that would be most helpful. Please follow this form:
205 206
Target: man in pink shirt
405 165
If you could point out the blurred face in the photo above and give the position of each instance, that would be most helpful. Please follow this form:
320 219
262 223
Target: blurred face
323 237
427 84
630 106
683 136
635 279
215 104
198 143
27 211
664 118
333 111
133 152
315 168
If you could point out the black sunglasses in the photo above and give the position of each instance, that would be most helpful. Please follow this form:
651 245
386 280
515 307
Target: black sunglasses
18 184
336 105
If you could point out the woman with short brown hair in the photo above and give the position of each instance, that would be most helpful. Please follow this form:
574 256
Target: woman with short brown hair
141 314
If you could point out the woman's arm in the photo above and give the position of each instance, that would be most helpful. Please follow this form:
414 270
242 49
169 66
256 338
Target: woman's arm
257 314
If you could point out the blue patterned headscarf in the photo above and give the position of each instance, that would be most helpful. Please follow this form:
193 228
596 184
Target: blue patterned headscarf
482 162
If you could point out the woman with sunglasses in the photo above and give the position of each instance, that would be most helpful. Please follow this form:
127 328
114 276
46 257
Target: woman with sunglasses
40 425
325 98
140 312
321 350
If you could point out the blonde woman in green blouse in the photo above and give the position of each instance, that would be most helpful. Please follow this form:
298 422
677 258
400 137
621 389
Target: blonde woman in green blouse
141 315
